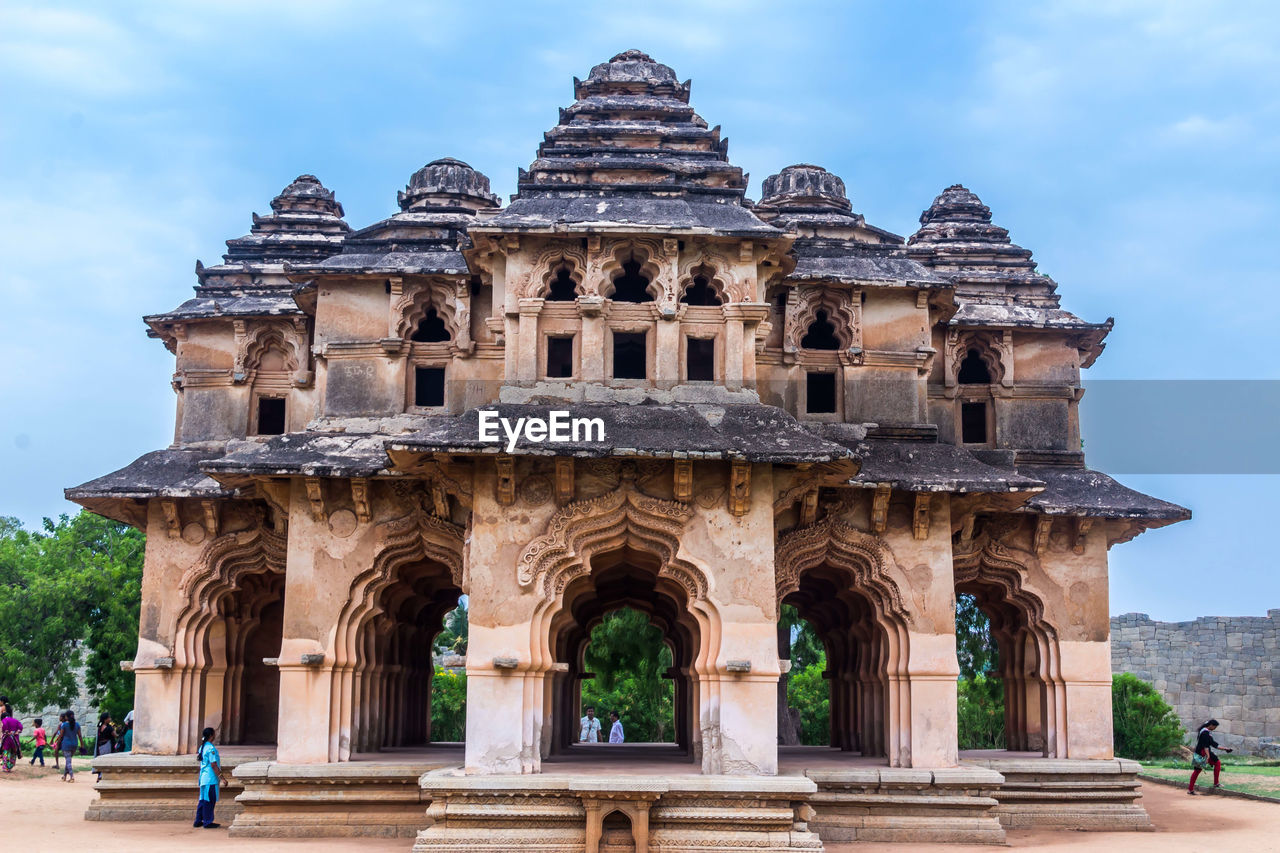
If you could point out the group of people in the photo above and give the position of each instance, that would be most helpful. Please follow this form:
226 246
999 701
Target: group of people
593 732
67 739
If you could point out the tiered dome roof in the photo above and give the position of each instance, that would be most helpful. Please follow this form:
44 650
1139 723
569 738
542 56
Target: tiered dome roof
447 185
957 236
305 223
805 187
632 151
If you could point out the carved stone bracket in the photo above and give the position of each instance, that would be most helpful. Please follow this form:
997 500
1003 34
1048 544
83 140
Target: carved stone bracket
506 486
1083 525
739 487
439 500
1044 525
210 517
315 494
880 509
809 508
683 480
171 518
920 517
564 480
360 497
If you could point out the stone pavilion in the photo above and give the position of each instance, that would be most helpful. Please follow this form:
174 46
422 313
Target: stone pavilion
772 401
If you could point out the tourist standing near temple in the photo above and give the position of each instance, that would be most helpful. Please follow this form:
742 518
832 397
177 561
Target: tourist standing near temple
615 733
590 727
210 778
41 739
1204 752
68 739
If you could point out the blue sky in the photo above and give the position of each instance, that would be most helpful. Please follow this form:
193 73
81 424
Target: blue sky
1132 145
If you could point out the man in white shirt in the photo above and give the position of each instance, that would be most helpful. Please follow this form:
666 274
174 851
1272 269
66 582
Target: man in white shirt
590 727
615 733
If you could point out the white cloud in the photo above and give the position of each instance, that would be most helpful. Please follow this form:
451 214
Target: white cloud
71 51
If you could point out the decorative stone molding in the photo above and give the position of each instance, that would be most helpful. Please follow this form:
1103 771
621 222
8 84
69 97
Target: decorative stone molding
835 543
994 348
251 345
583 528
550 262
843 309
416 299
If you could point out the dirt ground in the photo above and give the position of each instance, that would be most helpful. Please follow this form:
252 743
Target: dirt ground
38 812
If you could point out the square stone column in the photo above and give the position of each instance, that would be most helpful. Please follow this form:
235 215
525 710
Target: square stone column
1086 671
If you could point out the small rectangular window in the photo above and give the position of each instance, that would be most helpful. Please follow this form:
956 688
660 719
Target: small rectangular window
560 358
973 423
428 386
700 360
629 355
820 396
270 416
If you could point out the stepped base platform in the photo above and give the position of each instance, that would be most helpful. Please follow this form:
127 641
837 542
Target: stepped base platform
164 787
1063 793
820 795
597 813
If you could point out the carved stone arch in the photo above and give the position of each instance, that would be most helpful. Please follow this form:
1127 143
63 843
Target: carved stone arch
1004 567
841 311
719 275
251 346
649 254
832 542
582 529
548 264
417 300
994 348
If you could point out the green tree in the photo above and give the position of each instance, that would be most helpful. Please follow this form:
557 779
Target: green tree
628 657
980 713
809 693
448 705
72 587
975 650
453 638
1144 724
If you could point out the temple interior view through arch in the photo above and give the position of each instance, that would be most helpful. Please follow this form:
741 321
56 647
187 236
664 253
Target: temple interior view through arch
797 408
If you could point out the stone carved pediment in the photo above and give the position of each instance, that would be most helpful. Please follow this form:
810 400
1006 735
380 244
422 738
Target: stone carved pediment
832 542
587 527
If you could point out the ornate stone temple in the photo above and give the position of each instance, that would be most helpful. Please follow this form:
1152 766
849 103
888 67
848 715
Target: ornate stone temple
630 386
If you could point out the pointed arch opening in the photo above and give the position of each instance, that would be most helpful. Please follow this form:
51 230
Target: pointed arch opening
821 333
431 329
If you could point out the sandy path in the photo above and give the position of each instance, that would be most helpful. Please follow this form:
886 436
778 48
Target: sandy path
41 813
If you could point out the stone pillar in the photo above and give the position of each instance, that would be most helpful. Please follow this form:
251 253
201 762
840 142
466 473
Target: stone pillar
733 343
527 348
666 370
591 309
1086 671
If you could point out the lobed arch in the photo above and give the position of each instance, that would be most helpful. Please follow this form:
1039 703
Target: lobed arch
719 275
549 264
221 571
429 550
839 308
993 352
413 305
253 346
1027 640
839 579
646 254
620 535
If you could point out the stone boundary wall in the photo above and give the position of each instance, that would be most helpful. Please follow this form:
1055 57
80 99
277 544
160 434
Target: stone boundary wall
1227 668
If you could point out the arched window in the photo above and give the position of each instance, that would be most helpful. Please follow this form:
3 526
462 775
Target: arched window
821 334
563 287
631 285
701 293
431 329
973 370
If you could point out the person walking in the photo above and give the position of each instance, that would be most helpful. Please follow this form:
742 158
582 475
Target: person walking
68 741
1205 756
615 731
590 727
57 753
105 744
210 777
41 738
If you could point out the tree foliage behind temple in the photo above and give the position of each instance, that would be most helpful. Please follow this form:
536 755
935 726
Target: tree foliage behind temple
69 595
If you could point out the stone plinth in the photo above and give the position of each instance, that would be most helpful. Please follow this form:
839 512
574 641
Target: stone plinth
1067 793
161 787
554 813
344 799
902 804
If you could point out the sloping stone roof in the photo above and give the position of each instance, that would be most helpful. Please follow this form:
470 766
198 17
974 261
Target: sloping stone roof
1079 491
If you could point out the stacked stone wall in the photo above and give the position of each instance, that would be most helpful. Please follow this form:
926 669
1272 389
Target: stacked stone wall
1213 667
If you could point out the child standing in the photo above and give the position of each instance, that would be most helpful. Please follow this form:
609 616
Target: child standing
210 777
42 740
